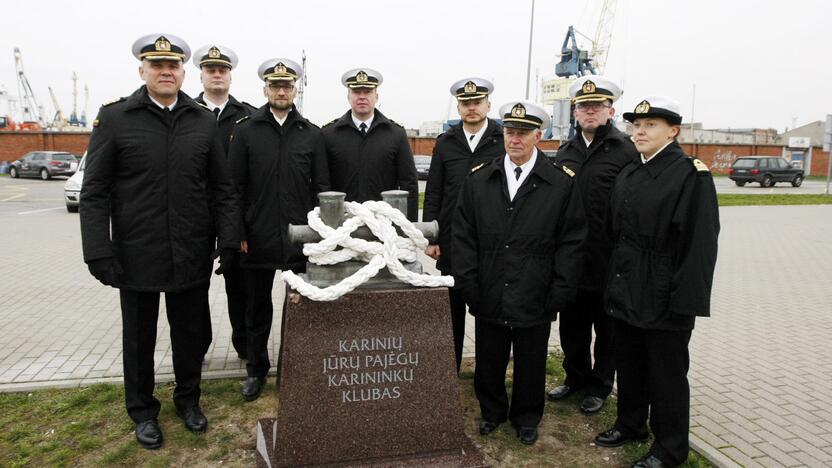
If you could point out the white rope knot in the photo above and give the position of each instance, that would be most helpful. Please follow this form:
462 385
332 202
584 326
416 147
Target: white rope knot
381 219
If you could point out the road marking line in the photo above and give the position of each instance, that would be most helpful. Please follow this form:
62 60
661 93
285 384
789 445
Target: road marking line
13 197
40 211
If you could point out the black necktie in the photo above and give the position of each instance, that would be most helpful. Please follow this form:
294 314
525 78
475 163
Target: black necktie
363 128
217 112
517 172
472 138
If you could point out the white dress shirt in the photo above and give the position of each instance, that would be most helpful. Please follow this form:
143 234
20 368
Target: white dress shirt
213 105
367 122
162 106
514 184
647 160
473 142
279 120
588 142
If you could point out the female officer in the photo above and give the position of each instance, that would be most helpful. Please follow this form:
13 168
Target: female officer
664 221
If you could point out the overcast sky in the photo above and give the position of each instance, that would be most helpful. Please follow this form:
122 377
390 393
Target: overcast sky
760 64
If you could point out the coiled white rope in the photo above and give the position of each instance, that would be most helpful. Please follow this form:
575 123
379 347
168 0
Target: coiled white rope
380 218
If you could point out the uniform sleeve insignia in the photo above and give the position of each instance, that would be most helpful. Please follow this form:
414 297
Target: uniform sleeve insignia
244 118
477 168
568 171
699 165
109 103
95 122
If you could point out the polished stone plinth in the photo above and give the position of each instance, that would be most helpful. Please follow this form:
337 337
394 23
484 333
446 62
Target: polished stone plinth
368 380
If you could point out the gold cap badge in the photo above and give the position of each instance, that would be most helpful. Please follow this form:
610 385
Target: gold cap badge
280 68
643 107
518 111
588 87
470 87
213 53
361 77
162 44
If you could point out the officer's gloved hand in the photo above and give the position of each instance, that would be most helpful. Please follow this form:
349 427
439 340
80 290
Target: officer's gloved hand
105 270
226 260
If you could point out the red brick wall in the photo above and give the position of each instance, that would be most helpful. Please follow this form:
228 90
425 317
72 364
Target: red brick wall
13 145
719 158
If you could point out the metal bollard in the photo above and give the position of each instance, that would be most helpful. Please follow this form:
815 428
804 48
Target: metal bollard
332 208
397 199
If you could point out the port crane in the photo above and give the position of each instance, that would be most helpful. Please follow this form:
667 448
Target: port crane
31 110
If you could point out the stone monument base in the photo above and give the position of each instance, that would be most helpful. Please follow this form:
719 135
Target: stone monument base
368 380
467 456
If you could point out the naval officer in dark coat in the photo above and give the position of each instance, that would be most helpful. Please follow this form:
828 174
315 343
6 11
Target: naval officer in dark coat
664 219
157 176
474 141
596 153
369 153
278 163
215 63
517 236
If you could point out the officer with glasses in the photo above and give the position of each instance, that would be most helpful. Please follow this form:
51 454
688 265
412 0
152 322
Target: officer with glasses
596 153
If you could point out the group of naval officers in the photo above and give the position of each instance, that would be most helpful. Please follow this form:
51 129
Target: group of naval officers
617 234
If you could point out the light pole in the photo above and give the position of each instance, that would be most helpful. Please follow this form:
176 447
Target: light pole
529 63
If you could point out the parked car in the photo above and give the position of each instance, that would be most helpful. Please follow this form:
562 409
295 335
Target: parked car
44 164
72 187
422 166
765 170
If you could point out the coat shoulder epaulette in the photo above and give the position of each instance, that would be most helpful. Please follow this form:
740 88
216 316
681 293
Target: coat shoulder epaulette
476 168
698 165
249 106
114 101
396 123
333 121
565 169
241 120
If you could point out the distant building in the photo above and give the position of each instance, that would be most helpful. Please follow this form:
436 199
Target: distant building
694 133
813 131
431 128
556 89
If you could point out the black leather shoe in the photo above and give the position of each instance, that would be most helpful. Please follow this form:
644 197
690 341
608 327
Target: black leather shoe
616 438
648 461
253 387
527 434
149 434
194 418
592 404
560 392
487 427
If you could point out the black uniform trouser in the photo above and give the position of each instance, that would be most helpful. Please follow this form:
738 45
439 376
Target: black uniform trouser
139 315
207 332
259 312
457 323
493 345
235 290
576 324
652 380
